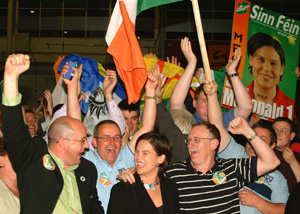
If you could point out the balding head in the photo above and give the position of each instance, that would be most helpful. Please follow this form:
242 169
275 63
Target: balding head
67 140
61 128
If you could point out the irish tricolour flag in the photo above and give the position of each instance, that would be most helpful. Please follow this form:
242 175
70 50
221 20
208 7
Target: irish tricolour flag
124 47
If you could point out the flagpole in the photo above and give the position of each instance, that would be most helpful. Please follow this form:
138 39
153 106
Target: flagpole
201 39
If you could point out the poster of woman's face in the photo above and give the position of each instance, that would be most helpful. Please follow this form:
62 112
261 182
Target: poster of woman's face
270 53
267 67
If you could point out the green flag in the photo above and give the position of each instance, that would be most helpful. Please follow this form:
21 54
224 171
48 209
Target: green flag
146 4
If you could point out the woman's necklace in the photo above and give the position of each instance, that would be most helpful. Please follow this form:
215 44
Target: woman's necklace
151 186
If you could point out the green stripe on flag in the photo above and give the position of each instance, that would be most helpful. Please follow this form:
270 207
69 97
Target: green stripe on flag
146 4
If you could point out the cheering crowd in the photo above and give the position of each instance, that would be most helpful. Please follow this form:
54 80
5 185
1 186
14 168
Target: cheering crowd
161 161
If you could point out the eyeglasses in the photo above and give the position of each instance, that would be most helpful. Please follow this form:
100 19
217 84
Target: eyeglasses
82 141
107 138
282 131
197 139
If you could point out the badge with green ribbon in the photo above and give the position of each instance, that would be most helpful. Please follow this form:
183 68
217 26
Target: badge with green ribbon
219 177
48 162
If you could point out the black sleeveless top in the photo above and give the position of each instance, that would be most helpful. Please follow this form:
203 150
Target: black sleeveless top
160 209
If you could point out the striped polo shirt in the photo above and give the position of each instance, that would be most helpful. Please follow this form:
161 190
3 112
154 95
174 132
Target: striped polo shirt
217 190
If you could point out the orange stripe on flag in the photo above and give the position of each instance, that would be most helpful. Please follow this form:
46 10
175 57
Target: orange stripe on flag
128 57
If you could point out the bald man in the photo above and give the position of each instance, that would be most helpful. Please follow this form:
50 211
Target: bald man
53 178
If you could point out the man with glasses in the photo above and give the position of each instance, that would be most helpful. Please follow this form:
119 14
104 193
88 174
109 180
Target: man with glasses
289 160
53 179
108 156
209 186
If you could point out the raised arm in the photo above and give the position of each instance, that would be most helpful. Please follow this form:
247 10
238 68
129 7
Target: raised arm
266 158
16 136
109 84
73 107
183 85
242 97
49 108
215 115
114 113
149 113
164 123
15 65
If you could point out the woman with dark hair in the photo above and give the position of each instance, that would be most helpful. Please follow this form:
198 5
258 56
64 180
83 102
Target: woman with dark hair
267 61
152 192
9 193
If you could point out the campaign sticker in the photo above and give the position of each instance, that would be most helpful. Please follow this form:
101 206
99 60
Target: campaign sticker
104 179
48 162
261 180
219 177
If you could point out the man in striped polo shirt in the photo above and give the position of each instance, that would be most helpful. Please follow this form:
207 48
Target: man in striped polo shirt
207 185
